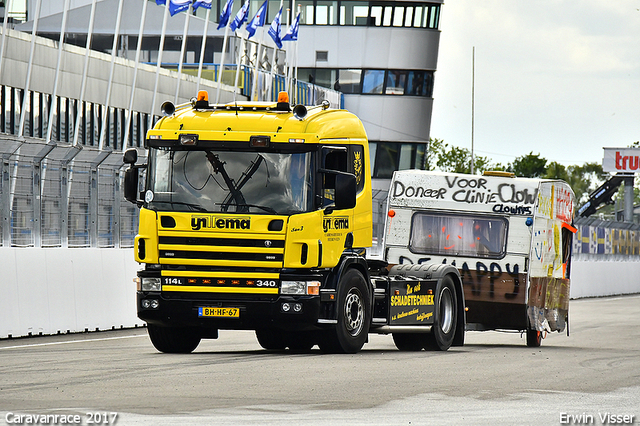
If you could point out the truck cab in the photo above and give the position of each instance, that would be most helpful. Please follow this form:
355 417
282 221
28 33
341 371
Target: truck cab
257 216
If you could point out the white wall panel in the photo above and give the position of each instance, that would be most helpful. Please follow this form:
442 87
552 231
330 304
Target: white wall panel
49 291
590 278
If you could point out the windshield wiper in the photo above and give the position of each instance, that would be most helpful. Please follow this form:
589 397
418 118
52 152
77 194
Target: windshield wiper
218 167
265 208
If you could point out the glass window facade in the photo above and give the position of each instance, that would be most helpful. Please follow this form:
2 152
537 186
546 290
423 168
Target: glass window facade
368 13
371 82
390 156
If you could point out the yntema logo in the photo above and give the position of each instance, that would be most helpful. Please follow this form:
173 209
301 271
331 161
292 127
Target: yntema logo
211 222
335 223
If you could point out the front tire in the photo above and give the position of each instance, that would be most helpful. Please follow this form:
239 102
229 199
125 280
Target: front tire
271 339
445 317
354 316
173 340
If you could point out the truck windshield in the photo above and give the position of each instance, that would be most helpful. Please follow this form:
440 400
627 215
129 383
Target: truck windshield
225 181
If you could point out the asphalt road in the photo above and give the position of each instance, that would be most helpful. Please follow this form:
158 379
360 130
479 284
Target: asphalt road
493 379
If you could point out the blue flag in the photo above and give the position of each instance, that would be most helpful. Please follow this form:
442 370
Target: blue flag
204 3
258 20
177 6
226 13
241 16
292 34
274 29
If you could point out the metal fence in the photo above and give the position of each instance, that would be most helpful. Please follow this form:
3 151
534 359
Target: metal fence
57 193
606 240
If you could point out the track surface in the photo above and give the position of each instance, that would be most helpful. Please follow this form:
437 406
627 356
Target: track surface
493 379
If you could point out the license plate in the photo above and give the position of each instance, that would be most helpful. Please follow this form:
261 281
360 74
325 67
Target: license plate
219 312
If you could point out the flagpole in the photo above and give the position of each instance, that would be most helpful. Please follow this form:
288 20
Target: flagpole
286 56
254 88
135 73
238 64
83 85
25 96
224 49
275 52
159 62
273 64
52 108
182 49
204 42
114 51
292 35
295 87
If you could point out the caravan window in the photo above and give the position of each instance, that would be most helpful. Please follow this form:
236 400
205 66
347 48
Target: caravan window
453 235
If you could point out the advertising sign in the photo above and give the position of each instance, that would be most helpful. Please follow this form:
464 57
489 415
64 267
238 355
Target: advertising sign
621 160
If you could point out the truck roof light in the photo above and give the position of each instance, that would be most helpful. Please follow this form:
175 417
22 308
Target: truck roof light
391 213
259 141
283 102
202 100
188 139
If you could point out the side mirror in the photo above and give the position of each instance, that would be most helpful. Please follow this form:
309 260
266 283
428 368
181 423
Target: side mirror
345 191
130 156
130 185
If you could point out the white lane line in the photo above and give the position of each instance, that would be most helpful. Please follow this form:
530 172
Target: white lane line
72 341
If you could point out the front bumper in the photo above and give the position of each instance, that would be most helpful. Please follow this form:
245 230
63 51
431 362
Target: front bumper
179 310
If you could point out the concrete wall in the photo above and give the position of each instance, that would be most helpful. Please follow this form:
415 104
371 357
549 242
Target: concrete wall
592 277
50 291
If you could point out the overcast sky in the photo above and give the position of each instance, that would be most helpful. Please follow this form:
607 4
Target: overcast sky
556 77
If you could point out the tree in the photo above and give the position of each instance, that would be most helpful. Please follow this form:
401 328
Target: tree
454 159
530 165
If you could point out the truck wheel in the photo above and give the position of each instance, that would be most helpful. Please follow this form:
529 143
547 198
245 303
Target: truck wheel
173 340
445 317
271 339
534 338
354 316
408 341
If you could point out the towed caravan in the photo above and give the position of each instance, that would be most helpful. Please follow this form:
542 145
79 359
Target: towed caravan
509 237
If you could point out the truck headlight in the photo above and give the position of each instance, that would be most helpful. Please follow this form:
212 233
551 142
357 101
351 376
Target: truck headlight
300 287
151 284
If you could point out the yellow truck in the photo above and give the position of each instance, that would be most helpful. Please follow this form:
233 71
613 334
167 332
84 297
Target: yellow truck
256 216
